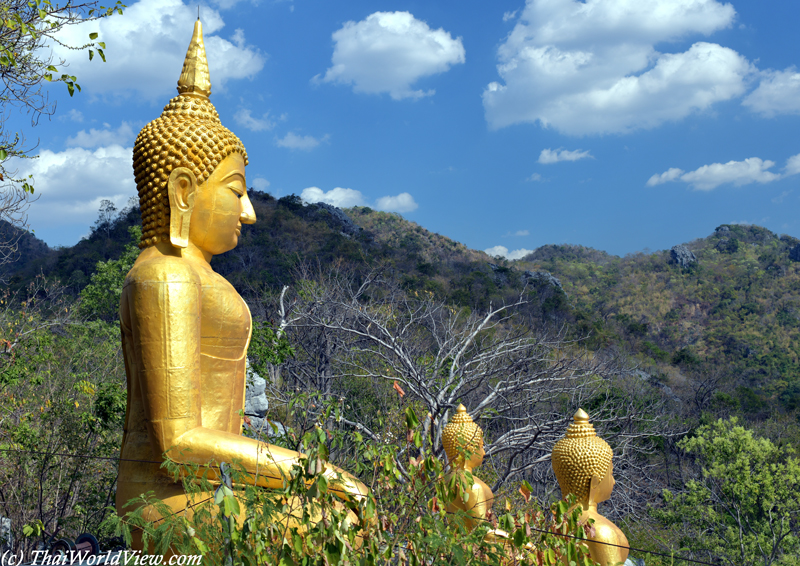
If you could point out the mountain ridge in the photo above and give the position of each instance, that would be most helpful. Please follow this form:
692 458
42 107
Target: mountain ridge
732 314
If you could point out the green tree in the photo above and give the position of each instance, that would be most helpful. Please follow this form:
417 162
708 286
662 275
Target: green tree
743 507
28 28
100 298
62 392
403 520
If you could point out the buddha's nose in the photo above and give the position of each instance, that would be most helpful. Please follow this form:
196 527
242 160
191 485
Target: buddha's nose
248 215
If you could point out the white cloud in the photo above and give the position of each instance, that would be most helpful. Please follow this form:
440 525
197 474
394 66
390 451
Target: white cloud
71 184
305 143
665 177
244 118
106 137
228 4
781 197
592 68
146 47
502 251
403 202
793 165
751 170
509 15
522 233
343 198
777 93
259 183
73 116
389 52
554 156
535 178
708 177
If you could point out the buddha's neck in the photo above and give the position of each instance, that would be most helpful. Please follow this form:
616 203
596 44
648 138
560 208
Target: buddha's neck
190 252
589 507
193 253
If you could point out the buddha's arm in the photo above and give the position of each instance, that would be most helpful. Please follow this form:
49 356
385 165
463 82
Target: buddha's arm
163 313
267 464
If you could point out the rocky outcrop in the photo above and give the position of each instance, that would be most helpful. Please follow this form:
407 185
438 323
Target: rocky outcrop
682 256
542 277
500 274
256 406
6 536
337 219
666 389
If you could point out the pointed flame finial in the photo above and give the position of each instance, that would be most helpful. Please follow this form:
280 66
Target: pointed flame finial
194 76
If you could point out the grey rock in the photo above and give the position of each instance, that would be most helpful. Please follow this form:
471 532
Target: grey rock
542 277
262 428
6 537
256 406
794 253
722 230
338 219
500 274
666 389
256 403
634 561
682 256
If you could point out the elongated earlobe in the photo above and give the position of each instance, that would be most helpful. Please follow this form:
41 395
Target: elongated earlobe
594 485
181 187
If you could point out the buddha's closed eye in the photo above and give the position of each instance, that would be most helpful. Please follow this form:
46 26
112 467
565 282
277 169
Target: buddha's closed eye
237 187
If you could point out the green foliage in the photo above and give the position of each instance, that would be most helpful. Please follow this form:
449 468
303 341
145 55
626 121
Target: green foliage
267 346
403 520
734 314
744 504
62 392
100 298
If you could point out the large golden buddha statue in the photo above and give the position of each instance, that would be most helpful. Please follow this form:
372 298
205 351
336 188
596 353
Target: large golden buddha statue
463 443
185 330
582 464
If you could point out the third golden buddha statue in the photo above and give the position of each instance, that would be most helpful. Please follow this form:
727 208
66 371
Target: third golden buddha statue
185 329
582 465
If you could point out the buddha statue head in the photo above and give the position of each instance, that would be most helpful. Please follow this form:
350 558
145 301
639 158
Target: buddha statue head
582 462
182 151
462 437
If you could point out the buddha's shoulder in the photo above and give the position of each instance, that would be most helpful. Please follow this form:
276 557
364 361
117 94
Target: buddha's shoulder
163 269
607 531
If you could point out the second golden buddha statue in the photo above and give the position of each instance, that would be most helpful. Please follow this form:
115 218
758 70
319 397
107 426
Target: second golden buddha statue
583 467
185 329
463 443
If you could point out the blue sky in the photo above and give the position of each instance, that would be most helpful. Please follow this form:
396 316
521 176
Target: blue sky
617 124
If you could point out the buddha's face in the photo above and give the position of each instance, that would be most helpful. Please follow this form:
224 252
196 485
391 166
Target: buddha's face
606 486
221 207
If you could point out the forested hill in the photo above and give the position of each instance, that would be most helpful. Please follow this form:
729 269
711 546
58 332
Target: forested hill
717 321
725 324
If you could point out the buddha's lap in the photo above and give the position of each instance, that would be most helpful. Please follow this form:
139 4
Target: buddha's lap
276 509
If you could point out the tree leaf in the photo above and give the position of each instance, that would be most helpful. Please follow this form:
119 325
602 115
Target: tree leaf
93 35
